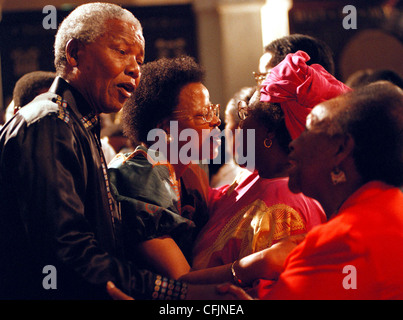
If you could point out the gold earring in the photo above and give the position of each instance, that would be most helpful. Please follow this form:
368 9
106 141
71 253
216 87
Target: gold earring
338 176
267 144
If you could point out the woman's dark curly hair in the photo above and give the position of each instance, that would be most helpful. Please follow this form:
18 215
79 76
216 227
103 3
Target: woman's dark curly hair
318 50
271 117
158 94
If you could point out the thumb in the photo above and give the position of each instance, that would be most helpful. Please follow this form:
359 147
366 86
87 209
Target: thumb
115 293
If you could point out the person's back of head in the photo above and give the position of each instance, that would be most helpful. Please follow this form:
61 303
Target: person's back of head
31 85
27 88
373 115
364 77
318 50
244 94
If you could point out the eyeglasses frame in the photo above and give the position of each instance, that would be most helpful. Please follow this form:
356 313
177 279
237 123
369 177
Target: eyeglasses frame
243 109
214 110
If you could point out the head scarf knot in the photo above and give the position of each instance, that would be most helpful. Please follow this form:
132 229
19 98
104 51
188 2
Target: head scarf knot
298 88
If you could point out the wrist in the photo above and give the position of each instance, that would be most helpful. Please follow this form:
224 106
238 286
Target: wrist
252 267
235 274
169 289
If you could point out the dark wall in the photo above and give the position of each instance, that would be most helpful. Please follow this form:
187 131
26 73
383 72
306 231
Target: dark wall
324 20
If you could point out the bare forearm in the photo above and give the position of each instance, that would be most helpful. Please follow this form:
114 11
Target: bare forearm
164 257
259 265
268 263
213 275
265 264
247 269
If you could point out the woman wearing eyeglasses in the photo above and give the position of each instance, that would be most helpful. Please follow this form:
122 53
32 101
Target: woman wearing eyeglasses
250 218
173 122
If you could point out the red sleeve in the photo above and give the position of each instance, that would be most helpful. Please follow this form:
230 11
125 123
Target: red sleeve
326 265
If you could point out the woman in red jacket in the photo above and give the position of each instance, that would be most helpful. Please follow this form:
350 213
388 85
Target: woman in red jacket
349 158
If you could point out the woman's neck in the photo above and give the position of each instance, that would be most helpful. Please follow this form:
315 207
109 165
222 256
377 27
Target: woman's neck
177 165
275 167
281 172
335 199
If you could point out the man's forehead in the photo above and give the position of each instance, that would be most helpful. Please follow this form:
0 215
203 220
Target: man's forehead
124 30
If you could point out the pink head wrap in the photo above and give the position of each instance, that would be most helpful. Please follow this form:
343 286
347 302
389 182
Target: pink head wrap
298 88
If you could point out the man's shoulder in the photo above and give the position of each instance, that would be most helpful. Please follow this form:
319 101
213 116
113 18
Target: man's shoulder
44 105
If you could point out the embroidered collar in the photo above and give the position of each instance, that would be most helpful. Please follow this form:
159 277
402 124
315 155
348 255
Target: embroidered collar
75 100
90 121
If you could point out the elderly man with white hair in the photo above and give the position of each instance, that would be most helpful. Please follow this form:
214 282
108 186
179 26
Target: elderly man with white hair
59 229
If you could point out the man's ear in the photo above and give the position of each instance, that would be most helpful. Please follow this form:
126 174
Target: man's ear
72 48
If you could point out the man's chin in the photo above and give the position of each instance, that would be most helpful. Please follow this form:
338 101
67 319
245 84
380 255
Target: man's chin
113 107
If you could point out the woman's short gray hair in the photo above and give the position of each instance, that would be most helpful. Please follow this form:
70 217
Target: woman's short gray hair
86 23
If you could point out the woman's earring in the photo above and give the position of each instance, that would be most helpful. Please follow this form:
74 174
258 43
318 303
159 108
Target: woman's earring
337 176
267 143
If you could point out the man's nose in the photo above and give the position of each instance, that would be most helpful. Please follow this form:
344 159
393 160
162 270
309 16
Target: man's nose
133 67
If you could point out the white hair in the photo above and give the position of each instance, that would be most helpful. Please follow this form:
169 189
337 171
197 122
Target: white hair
86 23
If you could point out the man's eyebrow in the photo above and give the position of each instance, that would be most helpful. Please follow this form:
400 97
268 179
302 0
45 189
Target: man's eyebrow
130 40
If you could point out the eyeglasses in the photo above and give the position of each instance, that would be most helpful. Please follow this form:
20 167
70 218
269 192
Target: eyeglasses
243 109
213 111
259 77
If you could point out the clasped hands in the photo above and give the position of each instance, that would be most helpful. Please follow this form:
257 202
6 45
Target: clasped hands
268 263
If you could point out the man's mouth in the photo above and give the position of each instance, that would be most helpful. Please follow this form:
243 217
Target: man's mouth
126 89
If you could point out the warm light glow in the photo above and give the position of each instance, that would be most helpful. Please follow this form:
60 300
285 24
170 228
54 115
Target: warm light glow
275 19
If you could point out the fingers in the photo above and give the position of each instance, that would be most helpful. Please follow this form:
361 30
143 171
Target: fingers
115 293
238 292
298 238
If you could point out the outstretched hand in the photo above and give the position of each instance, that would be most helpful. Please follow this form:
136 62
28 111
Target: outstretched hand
228 288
